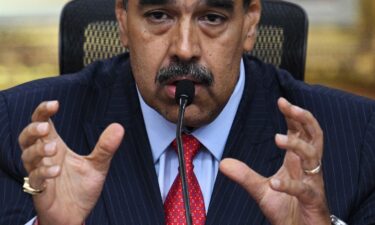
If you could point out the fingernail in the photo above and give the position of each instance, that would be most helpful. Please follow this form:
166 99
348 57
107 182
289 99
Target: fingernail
53 170
42 127
282 139
51 104
275 183
49 148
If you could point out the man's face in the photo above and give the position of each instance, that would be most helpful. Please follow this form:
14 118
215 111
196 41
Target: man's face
199 40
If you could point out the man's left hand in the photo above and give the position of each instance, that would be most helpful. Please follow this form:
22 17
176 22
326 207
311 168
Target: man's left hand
295 194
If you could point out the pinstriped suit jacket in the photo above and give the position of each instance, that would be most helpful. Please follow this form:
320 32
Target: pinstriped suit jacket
105 92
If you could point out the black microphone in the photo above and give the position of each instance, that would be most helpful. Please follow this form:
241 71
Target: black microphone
184 96
185 90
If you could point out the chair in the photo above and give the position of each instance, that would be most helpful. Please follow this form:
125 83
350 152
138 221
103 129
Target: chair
88 32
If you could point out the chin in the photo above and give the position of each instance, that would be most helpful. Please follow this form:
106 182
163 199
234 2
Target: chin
195 117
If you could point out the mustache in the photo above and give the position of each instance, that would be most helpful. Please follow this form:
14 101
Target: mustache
198 73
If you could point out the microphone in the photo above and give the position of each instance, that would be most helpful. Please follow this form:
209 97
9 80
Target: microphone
184 96
185 90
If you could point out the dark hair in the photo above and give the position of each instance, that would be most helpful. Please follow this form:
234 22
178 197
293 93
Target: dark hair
245 3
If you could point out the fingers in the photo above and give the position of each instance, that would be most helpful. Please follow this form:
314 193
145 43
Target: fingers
33 155
44 111
37 152
38 176
300 190
41 125
240 173
304 138
304 143
308 155
32 133
37 160
106 147
300 119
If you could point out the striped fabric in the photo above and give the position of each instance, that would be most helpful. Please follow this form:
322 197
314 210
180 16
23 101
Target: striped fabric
105 92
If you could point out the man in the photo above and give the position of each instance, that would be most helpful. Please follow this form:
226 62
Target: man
77 177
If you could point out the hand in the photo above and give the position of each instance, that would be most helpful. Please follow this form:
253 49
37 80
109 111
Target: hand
71 183
291 196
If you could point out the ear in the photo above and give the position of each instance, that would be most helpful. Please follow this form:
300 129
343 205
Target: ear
252 17
121 15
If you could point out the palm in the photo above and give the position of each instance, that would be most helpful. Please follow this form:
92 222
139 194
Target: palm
74 192
272 201
291 196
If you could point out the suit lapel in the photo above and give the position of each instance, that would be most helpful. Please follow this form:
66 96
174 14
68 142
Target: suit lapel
251 140
131 192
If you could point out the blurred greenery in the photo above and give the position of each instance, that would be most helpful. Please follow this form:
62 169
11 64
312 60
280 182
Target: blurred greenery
341 57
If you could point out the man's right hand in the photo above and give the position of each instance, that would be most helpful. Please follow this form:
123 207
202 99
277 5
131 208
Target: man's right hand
71 183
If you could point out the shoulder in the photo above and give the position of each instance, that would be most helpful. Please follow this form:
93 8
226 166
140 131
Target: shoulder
343 115
308 96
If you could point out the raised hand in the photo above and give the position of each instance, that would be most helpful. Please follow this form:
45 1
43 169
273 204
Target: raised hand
295 194
71 184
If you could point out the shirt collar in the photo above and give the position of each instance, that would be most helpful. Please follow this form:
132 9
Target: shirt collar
213 136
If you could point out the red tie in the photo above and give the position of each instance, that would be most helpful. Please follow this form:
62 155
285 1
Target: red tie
174 203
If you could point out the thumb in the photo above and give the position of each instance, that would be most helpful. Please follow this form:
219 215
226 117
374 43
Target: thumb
105 148
240 173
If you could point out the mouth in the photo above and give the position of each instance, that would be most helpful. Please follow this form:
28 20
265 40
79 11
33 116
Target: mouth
170 85
174 81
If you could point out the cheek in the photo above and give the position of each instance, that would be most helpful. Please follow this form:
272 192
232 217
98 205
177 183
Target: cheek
147 51
227 47
147 56
225 67
222 58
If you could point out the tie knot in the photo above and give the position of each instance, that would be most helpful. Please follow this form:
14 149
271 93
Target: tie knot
191 147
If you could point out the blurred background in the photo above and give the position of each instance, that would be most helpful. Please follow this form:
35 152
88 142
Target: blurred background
341 45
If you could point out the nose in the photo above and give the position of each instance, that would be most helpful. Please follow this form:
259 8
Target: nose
186 46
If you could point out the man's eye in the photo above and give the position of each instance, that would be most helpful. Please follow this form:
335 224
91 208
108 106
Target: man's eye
157 16
213 19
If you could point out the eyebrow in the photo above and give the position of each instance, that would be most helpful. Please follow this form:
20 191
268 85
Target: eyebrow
224 4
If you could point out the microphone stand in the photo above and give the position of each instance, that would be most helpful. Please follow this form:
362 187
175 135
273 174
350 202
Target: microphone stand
183 100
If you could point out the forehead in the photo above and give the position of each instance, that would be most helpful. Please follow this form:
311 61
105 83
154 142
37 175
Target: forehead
221 3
